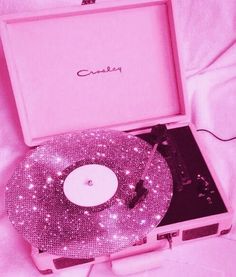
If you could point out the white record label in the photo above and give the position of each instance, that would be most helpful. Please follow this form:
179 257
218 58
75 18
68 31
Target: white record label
90 185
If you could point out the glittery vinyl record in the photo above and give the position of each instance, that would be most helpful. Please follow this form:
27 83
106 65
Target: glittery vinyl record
40 209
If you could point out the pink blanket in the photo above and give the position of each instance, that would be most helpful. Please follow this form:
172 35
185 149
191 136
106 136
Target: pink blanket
207 31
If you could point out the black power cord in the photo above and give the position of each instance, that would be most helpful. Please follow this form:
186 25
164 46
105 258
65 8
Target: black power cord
221 139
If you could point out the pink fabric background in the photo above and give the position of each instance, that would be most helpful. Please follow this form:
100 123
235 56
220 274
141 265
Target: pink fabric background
207 31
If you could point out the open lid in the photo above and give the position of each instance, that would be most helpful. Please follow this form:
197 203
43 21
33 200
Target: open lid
112 65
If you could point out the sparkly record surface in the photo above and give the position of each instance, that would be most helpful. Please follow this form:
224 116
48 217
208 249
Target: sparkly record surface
40 211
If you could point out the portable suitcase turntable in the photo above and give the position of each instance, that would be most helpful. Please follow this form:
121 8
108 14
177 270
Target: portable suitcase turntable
112 66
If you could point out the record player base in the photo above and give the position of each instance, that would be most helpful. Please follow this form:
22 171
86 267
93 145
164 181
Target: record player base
156 242
190 217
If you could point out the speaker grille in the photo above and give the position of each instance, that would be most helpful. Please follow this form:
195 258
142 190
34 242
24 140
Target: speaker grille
200 232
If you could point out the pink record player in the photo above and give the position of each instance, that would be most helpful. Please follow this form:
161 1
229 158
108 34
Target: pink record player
115 66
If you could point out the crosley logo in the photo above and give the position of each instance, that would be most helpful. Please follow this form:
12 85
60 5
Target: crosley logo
86 72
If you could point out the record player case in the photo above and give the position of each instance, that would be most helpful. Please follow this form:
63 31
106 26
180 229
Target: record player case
198 208
127 54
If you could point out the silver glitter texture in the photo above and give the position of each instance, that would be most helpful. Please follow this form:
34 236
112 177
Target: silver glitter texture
40 211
